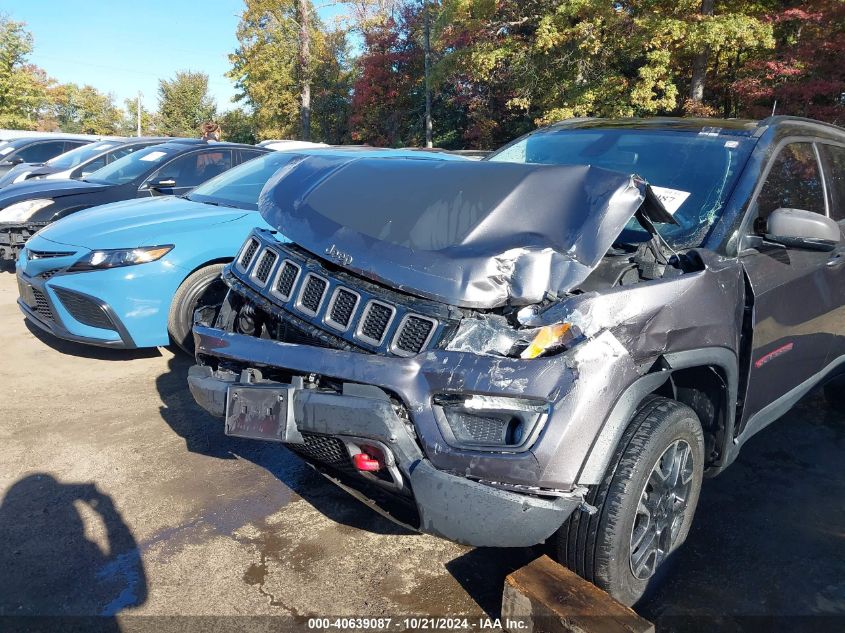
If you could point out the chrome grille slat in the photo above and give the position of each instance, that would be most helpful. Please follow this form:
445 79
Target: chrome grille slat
341 308
286 280
265 265
374 323
249 252
312 293
332 302
413 334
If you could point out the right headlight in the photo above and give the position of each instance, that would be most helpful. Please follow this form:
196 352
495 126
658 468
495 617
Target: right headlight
22 211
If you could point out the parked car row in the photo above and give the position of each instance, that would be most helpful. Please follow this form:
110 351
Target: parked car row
555 343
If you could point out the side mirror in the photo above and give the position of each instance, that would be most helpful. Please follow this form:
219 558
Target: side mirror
161 184
797 228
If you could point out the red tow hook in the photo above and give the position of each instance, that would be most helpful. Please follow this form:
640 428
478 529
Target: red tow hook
367 463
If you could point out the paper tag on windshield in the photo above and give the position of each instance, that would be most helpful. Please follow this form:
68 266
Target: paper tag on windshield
672 199
153 156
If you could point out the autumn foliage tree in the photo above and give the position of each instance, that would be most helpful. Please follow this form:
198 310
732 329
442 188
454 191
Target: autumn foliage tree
806 75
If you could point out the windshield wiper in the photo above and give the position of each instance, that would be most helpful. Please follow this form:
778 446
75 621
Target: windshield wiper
219 204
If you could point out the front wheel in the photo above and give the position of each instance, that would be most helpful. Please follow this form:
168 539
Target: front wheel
645 502
203 287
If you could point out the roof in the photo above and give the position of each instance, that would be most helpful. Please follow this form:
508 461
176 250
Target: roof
748 127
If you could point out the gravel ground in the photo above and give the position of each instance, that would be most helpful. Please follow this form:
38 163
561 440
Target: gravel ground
119 497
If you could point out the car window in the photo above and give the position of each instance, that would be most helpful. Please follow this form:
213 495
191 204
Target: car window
69 145
196 168
93 166
240 187
833 158
249 154
41 152
71 159
794 182
121 152
132 166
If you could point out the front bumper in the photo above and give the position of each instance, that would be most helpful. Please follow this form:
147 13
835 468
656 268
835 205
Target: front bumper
14 236
448 505
54 314
135 299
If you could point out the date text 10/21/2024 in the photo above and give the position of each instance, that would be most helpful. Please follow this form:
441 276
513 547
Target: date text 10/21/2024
419 623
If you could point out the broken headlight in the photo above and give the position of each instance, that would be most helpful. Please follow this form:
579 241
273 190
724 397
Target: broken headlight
492 334
489 422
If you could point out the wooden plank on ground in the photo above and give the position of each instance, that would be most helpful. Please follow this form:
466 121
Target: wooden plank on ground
548 597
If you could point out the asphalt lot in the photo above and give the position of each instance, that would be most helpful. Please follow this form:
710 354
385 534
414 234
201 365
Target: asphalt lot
118 496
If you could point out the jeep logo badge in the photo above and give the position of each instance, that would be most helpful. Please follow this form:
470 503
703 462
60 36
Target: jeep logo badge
339 256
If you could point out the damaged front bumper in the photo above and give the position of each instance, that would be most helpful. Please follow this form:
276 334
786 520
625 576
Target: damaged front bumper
14 236
452 502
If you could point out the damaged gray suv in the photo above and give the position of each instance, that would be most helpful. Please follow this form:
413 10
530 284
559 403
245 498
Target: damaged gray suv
555 344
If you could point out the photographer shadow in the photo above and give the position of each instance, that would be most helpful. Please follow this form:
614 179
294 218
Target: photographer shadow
67 554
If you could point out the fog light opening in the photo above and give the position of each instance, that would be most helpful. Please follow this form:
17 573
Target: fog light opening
514 432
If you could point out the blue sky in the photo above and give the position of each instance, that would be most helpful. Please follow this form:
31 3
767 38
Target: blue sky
122 46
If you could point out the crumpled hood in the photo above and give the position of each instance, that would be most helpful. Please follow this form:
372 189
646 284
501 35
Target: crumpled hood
474 234
137 222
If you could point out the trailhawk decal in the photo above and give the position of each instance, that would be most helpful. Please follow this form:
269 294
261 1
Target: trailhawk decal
783 349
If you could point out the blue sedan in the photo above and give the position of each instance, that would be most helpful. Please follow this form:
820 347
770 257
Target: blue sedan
130 274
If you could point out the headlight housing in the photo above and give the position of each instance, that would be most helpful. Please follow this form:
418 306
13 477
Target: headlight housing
22 211
497 423
116 258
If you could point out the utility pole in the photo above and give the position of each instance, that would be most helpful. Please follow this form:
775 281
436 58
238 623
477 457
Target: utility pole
427 49
139 114
305 69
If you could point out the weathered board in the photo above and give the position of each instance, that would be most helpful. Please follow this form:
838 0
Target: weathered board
545 596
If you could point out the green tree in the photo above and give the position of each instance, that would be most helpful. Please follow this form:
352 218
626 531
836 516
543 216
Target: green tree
276 77
83 110
184 104
129 122
23 87
238 126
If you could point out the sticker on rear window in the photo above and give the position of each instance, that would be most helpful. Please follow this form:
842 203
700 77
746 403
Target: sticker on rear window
153 156
710 131
672 199
731 144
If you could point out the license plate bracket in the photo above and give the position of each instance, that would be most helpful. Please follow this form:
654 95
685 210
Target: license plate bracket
262 412
26 294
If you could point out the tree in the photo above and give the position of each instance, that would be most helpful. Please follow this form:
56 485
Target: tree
805 75
23 87
305 68
184 104
129 122
83 110
282 48
238 126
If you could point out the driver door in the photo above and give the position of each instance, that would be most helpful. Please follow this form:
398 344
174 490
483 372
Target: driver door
795 300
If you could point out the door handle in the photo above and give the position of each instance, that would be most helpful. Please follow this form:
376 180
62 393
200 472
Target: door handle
835 260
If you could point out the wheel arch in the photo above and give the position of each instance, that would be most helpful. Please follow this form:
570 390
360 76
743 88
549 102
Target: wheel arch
704 379
200 266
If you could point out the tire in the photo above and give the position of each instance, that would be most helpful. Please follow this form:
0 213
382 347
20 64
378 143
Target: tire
834 392
202 287
598 547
